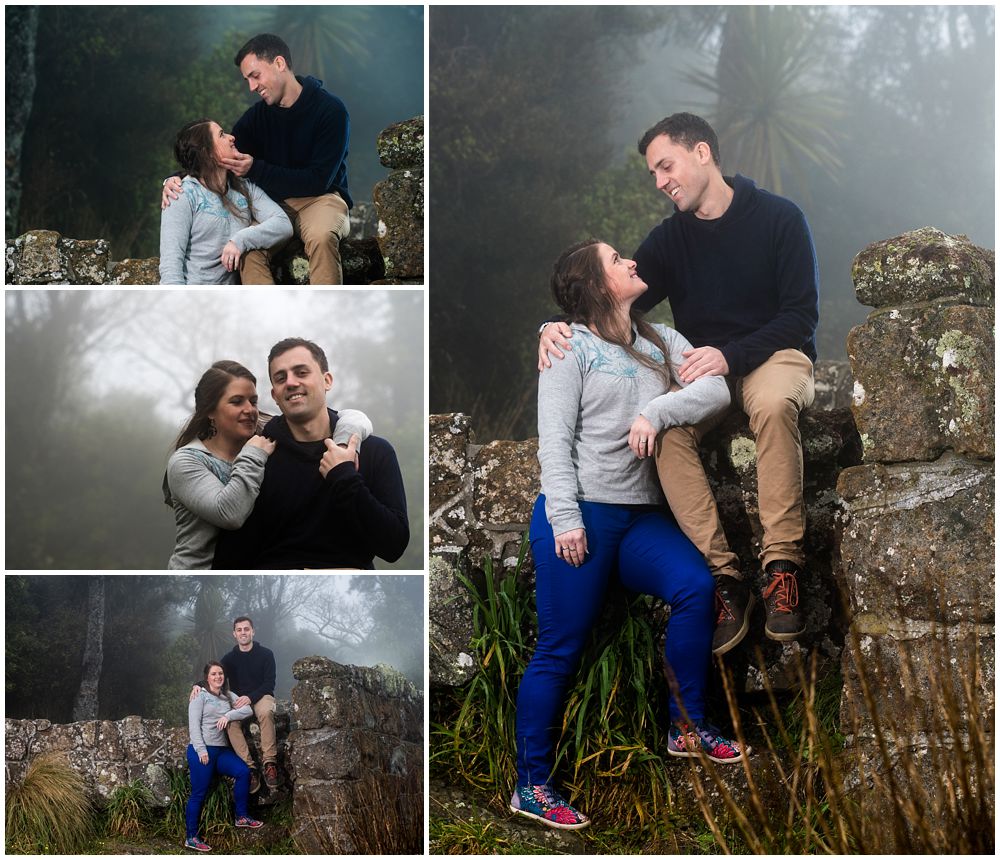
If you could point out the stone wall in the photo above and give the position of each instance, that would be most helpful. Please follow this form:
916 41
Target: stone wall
385 246
357 751
917 538
481 498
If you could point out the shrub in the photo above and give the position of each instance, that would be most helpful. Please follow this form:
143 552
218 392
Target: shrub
127 813
48 812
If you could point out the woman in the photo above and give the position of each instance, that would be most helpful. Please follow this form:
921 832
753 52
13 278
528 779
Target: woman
213 477
601 509
208 715
218 217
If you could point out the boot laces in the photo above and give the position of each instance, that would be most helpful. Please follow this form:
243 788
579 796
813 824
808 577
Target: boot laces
722 605
785 589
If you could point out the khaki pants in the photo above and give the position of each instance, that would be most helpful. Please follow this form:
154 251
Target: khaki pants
772 396
264 711
321 223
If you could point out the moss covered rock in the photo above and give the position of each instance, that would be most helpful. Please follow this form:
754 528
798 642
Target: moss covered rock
922 265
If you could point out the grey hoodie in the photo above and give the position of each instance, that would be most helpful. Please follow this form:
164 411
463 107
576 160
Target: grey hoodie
586 405
204 712
195 228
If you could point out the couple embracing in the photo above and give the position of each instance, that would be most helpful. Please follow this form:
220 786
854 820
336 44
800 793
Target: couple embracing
241 196
311 488
232 690
622 406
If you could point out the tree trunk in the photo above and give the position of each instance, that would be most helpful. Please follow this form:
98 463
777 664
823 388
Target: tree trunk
85 705
22 28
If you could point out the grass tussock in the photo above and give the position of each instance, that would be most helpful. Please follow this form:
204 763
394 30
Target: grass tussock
48 811
127 814
898 757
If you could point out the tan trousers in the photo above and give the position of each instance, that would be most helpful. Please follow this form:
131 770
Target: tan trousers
264 711
321 223
772 396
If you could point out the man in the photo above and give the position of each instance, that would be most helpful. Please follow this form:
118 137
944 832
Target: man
250 671
320 505
739 269
293 144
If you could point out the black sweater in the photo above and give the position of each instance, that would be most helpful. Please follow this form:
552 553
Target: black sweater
299 151
302 520
746 283
250 673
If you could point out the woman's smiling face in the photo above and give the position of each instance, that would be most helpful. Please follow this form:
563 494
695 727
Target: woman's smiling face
223 145
620 275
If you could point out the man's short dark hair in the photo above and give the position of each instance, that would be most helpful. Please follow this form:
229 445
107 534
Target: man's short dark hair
266 47
243 618
686 129
282 346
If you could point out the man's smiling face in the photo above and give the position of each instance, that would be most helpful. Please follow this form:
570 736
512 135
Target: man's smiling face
682 174
264 78
298 385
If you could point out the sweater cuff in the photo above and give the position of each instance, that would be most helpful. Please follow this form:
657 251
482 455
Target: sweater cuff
734 358
341 472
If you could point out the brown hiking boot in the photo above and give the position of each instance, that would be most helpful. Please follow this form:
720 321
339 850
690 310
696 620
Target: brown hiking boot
271 775
781 602
733 602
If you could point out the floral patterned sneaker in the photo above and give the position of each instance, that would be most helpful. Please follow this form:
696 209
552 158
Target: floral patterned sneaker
247 821
547 806
687 740
195 844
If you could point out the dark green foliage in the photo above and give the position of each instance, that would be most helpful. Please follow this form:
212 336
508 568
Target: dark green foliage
127 813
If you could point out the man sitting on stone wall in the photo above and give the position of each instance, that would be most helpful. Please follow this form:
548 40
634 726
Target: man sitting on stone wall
250 671
738 266
293 144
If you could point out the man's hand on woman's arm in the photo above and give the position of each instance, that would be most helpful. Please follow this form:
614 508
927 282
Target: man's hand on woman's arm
554 338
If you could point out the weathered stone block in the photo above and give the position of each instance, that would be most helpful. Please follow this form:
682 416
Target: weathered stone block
87 260
912 668
450 438
399 199
450 659
834 385
135 272
42 259
506 479
924 382
402 144
922 265
917 540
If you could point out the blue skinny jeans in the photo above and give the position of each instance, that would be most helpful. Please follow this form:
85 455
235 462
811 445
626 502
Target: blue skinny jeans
652 556
226 762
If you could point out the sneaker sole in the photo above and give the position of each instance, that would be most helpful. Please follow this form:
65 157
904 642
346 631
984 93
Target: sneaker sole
701 753
555 825
199 850
741 633
256 826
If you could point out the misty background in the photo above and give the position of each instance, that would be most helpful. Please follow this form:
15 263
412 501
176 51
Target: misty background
875 120
114 84
100 382
148 638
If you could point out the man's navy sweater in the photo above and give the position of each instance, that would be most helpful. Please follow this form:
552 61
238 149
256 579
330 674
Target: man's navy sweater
303 520
250 673
298 151
746 283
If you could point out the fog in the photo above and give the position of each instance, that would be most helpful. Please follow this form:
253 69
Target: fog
114 84
99 383
154 634
876 120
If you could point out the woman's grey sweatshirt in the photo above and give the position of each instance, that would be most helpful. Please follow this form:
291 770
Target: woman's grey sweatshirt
208 493
204 713
195 228
586 405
